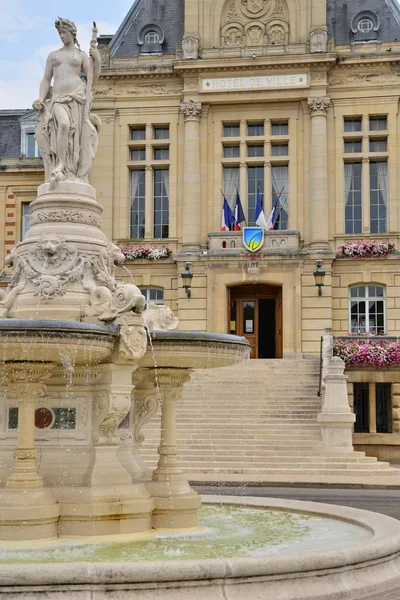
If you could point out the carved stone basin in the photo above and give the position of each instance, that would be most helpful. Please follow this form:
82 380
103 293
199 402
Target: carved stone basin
194 350
57 342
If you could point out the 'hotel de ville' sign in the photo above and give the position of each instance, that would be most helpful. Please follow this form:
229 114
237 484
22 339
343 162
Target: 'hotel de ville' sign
261 82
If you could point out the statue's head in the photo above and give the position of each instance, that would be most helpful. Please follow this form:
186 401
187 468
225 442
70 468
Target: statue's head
67 31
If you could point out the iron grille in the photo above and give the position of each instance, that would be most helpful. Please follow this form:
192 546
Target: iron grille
361 407
383 408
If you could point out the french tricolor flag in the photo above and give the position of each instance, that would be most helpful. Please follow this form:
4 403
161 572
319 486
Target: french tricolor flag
227 217
273 214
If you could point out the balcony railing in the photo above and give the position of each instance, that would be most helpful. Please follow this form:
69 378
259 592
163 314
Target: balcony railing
274 241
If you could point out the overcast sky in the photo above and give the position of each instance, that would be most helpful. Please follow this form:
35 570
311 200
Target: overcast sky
28 35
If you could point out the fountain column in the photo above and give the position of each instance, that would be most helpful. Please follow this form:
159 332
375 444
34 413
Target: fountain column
28 510
176 504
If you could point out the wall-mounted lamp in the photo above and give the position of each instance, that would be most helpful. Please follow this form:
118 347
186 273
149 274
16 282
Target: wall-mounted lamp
187 277
319 276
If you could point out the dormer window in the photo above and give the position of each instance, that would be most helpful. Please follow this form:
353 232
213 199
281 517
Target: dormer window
150 39
365 26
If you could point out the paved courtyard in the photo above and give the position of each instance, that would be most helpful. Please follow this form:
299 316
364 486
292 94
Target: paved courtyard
385 501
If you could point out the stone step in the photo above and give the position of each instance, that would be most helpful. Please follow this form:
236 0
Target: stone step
256 456
267 451
322 466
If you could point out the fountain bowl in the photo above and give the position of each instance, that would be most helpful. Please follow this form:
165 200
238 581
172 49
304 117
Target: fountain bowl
349 572
29 340
194 350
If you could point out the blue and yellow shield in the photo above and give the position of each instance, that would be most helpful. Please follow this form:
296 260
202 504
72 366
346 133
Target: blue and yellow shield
253 238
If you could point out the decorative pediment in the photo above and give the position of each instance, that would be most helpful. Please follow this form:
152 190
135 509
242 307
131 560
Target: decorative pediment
254 23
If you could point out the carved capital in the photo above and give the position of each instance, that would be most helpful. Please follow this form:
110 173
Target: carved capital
26 382
318 106
191 110
25 454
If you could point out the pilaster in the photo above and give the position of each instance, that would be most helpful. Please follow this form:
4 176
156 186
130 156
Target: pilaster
191 181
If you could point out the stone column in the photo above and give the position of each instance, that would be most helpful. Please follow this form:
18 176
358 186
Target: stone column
176 504
191 182
28 510
336 418
319 215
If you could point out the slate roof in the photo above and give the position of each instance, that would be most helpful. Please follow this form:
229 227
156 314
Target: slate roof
168 14
341 12
10 133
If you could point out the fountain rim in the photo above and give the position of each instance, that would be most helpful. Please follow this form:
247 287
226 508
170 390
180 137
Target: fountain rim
198 336
56 326
383 546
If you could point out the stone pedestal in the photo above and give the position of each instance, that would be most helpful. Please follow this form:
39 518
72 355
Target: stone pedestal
336 418
176 504
28 511
63 257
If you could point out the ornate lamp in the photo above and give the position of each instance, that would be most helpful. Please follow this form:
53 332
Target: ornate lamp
187 277
319 276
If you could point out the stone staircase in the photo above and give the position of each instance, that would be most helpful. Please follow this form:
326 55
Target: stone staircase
257 422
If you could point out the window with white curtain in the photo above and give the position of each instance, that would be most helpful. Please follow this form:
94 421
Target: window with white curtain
367 309
280 189
154 295
26 218
352 198
231 184
378 190
255 183
161 203
137 212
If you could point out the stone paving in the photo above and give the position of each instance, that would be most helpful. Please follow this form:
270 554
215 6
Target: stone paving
385 501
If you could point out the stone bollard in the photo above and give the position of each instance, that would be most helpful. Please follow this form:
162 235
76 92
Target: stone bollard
336 418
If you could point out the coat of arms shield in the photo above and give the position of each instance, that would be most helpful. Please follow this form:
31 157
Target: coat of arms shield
253 238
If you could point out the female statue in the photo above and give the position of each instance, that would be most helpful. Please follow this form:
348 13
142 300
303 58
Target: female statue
66 132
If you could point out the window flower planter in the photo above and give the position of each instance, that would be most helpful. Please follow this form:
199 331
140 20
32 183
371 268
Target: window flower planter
368 353
143 252
368 249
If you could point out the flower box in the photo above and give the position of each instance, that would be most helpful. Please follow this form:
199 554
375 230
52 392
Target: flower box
144 252
367 352
366 249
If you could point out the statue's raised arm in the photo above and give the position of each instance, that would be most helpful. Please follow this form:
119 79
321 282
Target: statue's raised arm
67 132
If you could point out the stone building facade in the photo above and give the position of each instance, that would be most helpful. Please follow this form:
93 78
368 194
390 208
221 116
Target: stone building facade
291 99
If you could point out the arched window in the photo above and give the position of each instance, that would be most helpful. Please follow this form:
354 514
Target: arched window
367 309
365 26
150 39
155 295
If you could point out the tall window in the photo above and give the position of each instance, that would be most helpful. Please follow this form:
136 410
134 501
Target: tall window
231 184
26 219
367 309
255 182
161 203
352 198
280 189
138 202
378 190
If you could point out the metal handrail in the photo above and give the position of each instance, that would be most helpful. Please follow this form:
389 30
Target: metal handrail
319 392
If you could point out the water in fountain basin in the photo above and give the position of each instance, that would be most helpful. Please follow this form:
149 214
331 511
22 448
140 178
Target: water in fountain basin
228 531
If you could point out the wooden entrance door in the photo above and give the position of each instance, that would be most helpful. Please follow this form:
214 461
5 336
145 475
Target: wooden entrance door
255 312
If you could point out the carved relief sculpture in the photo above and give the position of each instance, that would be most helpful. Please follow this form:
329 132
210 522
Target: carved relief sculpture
232 36
318 38
190 47
66 131
158 317
244 23
318 106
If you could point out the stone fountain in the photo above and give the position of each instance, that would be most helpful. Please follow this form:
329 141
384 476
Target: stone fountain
73 338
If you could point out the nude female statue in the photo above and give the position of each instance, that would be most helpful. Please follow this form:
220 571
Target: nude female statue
66 132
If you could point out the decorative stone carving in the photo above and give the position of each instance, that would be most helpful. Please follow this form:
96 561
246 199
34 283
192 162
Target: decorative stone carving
65 216
233 36
318 38
107 305
232 14
255 8
52 253
144 408
190 47
104 53
133 338
109 410
277 33
365 78
66 131
278 10
158 317
191 110
318 106
255 33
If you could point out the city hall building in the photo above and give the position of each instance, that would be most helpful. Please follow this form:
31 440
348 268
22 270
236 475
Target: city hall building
296 100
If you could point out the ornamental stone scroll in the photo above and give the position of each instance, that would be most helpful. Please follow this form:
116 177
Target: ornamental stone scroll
191 110
319 106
